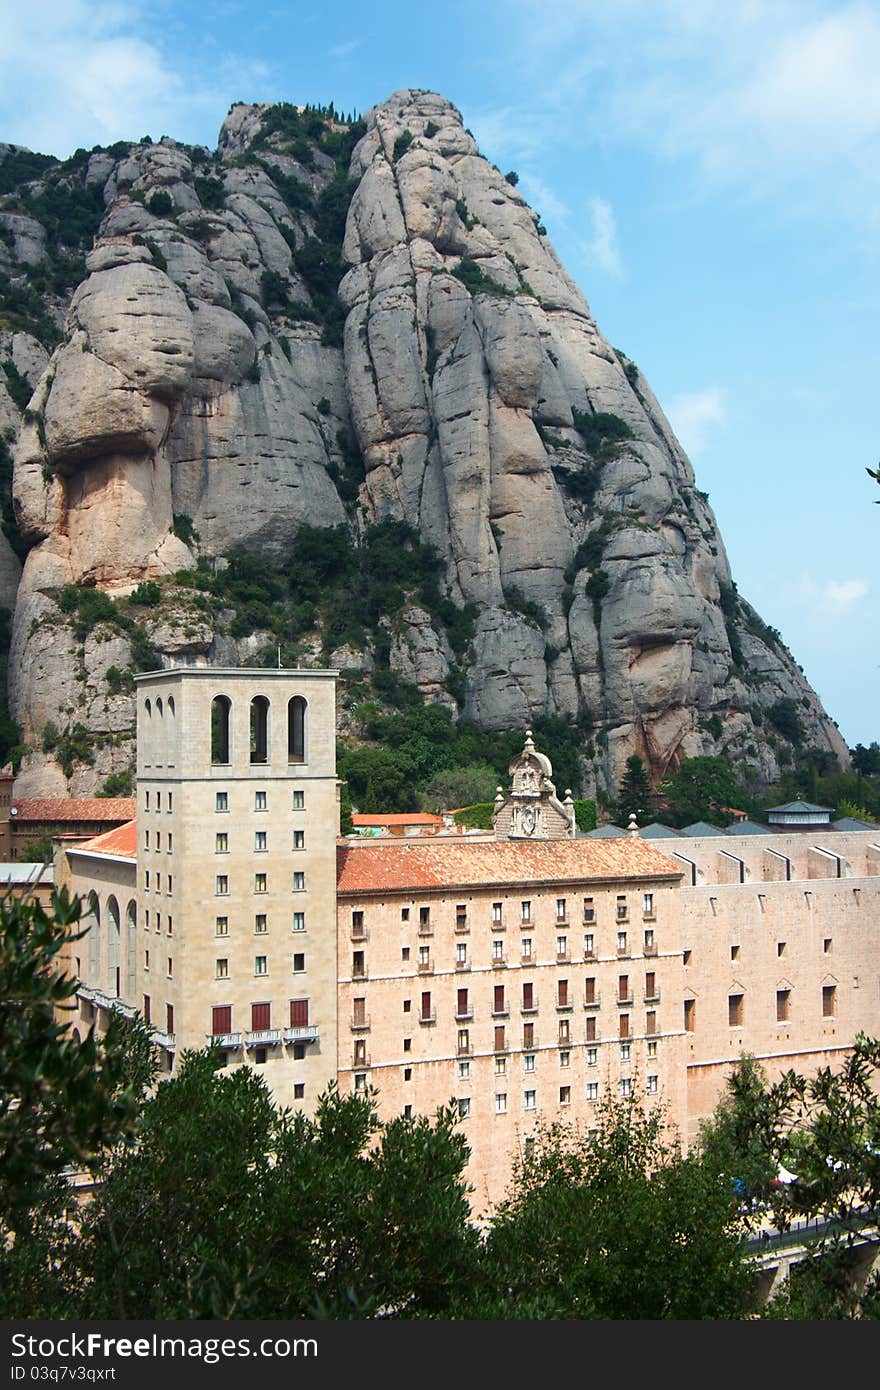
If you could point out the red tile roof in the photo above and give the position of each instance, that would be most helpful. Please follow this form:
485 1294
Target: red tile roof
397 818
372 867
70 808
121 842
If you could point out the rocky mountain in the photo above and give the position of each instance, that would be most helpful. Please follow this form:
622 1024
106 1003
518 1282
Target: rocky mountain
362 326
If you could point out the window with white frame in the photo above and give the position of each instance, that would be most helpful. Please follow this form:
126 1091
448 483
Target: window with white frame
592 1090
260 841
464 1070
464 1107
651 1085
589 944
299 921
260 882
221 801
500 1102
299 882
526 947
592 1056
497 948
221 968
261 966
260 802
299 800
528 1100
299 839
461 953
525 908
222 885
529 1061
221 926
500 1066
626 1086
261 923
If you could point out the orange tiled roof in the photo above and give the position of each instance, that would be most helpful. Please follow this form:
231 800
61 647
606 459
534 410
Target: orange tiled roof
71 808
371 868
398 818
120 841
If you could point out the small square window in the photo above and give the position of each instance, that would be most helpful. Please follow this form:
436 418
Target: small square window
299 839
299 921
589 944
501 1103
464 1069
407 1073
565 1059
404 914
500 1066
221 968
529 1061
592 1056
565 1095
260 883
299 961
261 965
261 922
780 948
826 945
497 948
624 1052
735 1010
496 914
260 840
526 910
299 1090
648 904
407 1044
299 800
259 801
783 1005
407 1005
526 946
221 926
529 1100
404 953
626 1086
299 883
592 1090
652 1049
686 957
221 801
360 1081
651 1085
222 886
829 1001
734 953
621 941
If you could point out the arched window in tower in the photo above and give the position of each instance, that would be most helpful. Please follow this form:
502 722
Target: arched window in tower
114 972
221 709
296 730
130 950
92 922
259 729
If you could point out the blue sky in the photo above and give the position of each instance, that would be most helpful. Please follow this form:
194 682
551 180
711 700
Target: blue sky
708 172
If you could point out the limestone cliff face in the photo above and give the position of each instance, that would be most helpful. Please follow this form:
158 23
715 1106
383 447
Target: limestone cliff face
197 379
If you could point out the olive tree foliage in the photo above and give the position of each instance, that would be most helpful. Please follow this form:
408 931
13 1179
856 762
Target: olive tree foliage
224 1206
824 1129
616 1223
61 1098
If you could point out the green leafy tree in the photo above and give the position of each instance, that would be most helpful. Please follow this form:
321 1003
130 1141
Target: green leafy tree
60 1097
636 794
620 1225
699 789
225 1206
459 786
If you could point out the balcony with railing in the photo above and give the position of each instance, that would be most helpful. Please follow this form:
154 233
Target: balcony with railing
262 1037
302 1033
428 1017
225 1040
464 1014
624 1001
360 1023
592 1001
425 967
653 997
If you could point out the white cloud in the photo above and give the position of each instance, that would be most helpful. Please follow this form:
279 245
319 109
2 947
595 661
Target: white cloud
74 73
693 414
601 249
776 98
341 51
827 598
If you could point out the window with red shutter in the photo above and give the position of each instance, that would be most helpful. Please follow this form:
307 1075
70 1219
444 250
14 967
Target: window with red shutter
221 1019
499 1038
590 989
462 1007
562 993
260 1017
426 1004
169 1018
499 999
528 996
146 1008
299 1013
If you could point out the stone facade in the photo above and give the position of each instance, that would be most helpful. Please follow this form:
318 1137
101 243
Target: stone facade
524 979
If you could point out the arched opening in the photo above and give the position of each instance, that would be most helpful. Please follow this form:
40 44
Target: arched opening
93 926
259 729
159 709
221 708
130 949
296 730
114 980
171 706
